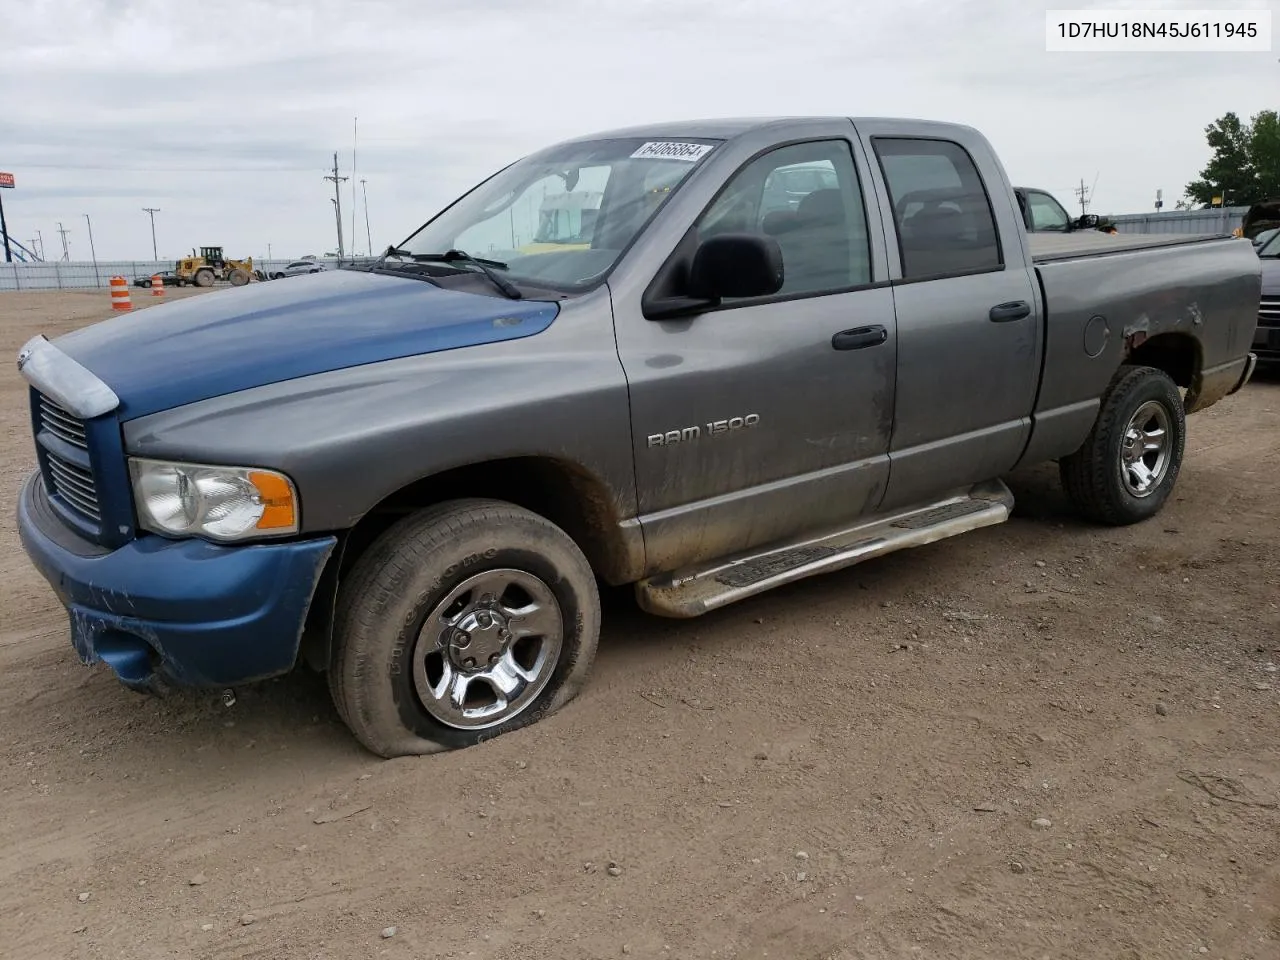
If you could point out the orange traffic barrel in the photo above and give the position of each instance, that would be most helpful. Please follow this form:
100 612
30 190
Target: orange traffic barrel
157 285
120 294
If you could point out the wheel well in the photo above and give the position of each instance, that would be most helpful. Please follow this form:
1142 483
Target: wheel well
1177 354
570 497
563 492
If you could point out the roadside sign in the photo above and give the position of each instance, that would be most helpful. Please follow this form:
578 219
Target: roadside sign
6 180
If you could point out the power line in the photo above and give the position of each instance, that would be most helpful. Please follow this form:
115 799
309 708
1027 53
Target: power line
151 212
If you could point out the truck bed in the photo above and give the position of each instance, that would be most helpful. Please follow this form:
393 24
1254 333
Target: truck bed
1046 247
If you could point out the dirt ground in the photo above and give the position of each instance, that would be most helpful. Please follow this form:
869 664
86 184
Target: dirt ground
850 767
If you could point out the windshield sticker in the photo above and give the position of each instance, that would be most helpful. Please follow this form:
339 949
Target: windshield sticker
662 150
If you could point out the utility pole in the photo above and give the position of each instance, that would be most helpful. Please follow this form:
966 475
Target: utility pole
40 241
152 211
367 232
355 140
337 201
92 252
1082 193
4 229
66 251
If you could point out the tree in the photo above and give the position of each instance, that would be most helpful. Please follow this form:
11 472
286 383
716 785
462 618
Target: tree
1245 163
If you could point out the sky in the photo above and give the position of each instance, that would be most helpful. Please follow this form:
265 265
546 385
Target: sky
227 120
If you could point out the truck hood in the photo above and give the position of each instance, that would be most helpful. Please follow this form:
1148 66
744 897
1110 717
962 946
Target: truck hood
230 340
1270 276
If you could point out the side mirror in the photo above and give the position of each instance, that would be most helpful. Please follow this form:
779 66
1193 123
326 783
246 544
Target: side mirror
736 265
1088 221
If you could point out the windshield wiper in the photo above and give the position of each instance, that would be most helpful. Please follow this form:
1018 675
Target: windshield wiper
390 252
486 267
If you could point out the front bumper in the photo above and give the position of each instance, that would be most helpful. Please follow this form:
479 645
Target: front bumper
185 611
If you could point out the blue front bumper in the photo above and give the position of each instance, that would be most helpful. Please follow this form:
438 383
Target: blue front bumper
187 611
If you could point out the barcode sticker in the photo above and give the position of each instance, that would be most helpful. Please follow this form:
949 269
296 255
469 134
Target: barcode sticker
664 150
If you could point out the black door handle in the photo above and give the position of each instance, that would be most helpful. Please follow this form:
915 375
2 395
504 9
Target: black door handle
860 337
1005 312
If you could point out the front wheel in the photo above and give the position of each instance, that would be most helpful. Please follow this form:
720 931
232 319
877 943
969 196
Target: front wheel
461 623
1128 466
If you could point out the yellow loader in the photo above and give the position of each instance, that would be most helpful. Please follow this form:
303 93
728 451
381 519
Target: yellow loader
209 265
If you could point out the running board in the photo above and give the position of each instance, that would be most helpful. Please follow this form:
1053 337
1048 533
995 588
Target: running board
697 590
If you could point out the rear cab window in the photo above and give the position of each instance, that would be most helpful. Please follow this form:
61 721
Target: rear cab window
941 209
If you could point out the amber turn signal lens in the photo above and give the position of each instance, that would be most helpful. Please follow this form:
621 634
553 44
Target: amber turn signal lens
279 511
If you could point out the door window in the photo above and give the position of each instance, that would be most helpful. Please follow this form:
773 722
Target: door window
808 198
943 215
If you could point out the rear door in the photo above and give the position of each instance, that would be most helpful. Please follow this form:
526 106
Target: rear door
755 420
969 340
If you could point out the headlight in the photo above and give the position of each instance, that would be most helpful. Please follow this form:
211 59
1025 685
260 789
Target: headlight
220 503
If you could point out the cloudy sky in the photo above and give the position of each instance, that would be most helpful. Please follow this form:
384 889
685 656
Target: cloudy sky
225 116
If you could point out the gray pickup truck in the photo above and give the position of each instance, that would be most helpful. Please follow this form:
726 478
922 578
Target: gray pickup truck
701 358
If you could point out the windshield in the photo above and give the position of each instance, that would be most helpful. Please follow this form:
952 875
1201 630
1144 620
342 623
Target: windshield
1270 244
561 218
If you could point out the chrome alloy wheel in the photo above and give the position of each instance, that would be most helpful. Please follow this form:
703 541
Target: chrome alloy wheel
1144 449
488 649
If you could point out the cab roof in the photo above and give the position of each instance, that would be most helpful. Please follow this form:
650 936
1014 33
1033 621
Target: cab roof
723 128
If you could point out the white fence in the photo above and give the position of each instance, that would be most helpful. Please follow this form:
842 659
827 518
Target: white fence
80 275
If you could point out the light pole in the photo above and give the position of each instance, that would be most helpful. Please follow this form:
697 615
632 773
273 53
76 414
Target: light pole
367 232
152 211
92 252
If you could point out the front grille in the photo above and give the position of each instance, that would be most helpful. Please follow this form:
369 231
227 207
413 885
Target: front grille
71 482
75 485
1269 312
62 424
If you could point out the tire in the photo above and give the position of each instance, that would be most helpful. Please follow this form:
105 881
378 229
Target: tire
204 278
392 683
1103 479
238 277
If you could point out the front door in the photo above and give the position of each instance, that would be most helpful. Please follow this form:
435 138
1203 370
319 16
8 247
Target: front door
766 417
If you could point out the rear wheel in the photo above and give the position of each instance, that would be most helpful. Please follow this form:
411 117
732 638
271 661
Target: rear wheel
1126 469
459 624
204 278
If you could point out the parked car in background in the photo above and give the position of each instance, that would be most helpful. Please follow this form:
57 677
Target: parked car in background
1266 340
299 267
170 279
1265 237
1042 213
